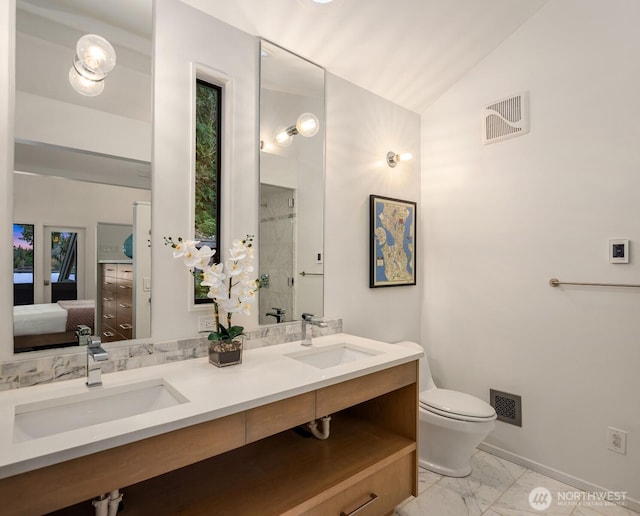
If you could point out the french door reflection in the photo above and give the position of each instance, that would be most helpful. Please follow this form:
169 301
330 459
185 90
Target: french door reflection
62 264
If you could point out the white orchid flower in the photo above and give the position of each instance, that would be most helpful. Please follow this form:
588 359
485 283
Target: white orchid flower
213 275
191 257
231 306
182 246
211 280
203 257
233 269
245 308
218 293
248 296
238 251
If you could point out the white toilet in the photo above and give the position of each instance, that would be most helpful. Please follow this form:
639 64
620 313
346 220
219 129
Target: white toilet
451 425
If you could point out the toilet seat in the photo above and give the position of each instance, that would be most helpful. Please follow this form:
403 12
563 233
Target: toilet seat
456 405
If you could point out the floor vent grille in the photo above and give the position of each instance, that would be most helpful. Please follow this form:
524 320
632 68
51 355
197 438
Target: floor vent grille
508 407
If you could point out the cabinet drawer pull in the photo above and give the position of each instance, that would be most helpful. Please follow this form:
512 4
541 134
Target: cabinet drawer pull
125 286
107 299
108 333
108 316
126 326
122 305
372 498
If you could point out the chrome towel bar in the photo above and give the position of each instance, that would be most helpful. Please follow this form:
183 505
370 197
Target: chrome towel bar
311 274
555 282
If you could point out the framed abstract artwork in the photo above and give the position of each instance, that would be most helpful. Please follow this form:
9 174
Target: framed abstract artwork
392 256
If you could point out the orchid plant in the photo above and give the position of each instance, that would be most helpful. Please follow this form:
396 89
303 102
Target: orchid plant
230 285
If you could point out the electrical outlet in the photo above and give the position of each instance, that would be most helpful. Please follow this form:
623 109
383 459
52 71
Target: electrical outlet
206 323
617 440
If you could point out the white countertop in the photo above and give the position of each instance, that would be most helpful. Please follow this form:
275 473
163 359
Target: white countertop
264 376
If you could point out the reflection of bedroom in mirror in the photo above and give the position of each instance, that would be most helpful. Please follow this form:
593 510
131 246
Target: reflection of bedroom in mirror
82 180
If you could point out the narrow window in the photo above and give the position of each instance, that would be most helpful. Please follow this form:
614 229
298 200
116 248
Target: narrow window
23 264
207 177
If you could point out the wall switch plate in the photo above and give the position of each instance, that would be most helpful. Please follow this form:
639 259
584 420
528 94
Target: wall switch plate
619 250
617 440
206 323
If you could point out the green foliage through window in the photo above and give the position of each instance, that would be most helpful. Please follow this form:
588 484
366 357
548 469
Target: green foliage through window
207 188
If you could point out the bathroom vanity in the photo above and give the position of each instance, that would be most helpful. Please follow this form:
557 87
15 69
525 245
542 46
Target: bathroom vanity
232 443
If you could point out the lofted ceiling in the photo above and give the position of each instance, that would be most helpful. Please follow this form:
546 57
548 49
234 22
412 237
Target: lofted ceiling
407 51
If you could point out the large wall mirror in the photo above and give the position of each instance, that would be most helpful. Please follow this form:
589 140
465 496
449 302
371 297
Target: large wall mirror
82 173
291 240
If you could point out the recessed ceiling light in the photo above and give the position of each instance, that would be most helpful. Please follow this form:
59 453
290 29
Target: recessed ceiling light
321 5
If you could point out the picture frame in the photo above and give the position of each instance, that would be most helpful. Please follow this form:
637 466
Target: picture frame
392 234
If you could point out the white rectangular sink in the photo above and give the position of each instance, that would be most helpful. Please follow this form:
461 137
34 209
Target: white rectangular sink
100 405
331 356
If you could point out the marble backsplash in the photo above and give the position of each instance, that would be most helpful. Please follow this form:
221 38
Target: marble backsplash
72 364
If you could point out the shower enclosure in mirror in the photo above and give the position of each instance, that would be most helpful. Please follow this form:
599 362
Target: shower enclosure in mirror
82 171
291 240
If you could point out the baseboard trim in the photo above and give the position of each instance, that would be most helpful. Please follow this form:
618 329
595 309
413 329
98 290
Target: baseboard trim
578 483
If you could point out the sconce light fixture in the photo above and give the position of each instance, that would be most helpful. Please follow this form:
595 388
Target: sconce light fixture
94 59
307 125
393 159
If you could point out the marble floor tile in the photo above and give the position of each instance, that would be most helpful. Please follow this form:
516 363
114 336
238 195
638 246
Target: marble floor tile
440 501
490 477
497 487
603 510
426 479
515 501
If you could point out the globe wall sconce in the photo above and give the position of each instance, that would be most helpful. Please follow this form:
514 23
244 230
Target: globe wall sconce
307 125
393 158
94 59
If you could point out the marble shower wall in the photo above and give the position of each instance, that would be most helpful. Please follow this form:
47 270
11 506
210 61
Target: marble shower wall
277 256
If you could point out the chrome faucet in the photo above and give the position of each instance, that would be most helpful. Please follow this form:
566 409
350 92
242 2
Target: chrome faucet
278 314
309 320
95 354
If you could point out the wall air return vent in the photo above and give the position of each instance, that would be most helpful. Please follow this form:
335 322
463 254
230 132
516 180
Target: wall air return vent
508 407
505 118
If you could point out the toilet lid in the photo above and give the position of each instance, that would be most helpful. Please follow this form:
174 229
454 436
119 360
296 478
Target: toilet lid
444 401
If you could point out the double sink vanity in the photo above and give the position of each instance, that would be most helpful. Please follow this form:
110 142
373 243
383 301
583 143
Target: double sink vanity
189 438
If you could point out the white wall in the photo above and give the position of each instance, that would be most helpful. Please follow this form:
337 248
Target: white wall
42 119
501 220
361 129
184 37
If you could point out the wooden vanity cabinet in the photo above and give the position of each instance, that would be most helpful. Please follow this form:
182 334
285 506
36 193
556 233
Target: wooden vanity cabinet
116 302
254 462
